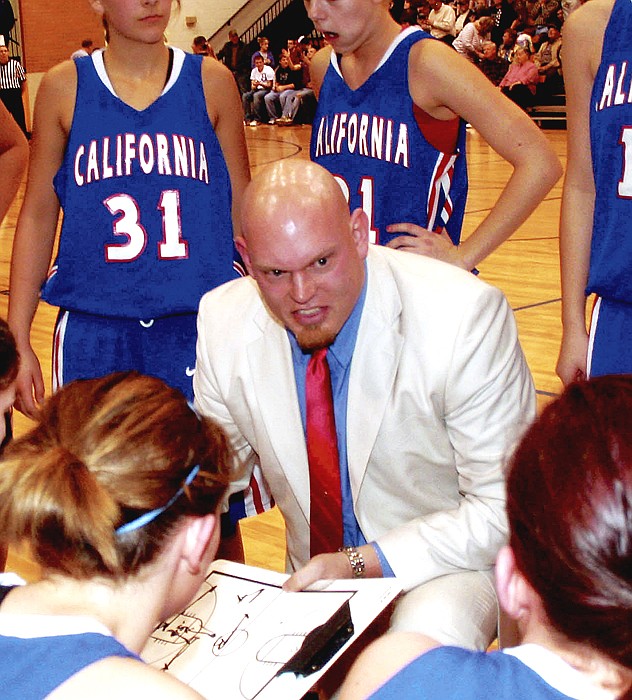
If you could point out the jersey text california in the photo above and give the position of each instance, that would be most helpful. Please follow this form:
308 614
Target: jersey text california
370 136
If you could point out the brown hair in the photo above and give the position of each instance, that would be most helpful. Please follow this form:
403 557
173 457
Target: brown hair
569 502
104 452
9 356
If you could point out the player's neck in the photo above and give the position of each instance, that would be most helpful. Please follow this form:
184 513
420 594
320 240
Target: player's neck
138 75
358 65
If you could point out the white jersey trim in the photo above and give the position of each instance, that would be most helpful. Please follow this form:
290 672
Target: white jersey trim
99 66
594 320
394 44
36 626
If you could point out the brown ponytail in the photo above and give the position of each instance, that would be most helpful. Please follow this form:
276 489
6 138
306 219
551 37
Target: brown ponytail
105 451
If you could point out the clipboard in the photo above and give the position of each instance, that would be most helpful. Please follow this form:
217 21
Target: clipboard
246 637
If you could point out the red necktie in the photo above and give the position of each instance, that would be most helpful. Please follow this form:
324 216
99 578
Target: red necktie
322 452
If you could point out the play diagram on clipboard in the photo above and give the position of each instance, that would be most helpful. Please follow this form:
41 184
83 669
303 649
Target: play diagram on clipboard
242 635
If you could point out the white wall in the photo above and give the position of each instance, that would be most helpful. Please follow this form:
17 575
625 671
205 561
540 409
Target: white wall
210 16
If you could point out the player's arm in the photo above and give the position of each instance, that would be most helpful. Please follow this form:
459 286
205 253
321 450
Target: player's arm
14 154
444 84
318 68
583 37
226 115
37 223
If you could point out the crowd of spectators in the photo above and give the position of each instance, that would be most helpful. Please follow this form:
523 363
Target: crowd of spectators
490 33
273 88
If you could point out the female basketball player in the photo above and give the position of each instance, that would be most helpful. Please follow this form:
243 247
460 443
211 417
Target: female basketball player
141 145
596 221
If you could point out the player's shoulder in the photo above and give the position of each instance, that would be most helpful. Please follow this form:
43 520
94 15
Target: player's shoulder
319 65
588 21
124 677
59 85
215 74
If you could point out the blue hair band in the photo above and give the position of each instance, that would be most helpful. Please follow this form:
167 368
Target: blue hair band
145 518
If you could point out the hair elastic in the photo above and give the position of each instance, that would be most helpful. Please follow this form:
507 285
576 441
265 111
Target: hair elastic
145 518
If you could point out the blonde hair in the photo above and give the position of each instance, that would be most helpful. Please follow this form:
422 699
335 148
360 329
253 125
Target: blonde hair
105 451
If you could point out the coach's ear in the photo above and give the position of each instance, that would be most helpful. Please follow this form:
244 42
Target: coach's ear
359 224
242 248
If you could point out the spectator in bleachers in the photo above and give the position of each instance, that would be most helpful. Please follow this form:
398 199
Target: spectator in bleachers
526 37
423 11
469 42
234 55
292 99
286 81
520 8
261 80
542 12
264 52
295 52
507 48
521 80
504 16
464 15
199 46
493 67
549 64
408 18
440 22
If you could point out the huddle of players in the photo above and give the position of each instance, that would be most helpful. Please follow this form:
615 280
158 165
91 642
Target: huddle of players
389 127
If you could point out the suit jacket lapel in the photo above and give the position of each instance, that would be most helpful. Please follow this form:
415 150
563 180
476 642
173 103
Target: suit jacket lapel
272 373
374 366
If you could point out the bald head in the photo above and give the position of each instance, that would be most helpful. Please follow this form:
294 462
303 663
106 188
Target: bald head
285 191
303 248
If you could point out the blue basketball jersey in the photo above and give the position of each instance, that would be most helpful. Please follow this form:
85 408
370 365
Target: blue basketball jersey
146 198
371 139
611 143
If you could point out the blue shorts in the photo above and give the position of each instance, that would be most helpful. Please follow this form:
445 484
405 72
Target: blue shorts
610 348
86 346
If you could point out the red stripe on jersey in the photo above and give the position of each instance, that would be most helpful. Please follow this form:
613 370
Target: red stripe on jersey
441 184
443 134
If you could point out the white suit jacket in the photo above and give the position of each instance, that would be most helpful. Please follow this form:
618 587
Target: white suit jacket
439 391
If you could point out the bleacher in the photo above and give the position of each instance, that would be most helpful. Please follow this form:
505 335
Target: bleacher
551 114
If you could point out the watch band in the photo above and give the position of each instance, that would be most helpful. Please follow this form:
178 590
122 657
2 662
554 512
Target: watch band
355 559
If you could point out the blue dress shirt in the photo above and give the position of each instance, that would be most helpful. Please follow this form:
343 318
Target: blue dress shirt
339 357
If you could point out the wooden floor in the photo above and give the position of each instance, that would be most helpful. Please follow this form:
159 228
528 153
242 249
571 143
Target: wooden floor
526 268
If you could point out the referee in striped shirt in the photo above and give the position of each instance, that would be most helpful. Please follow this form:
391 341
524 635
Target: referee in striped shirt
12 79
